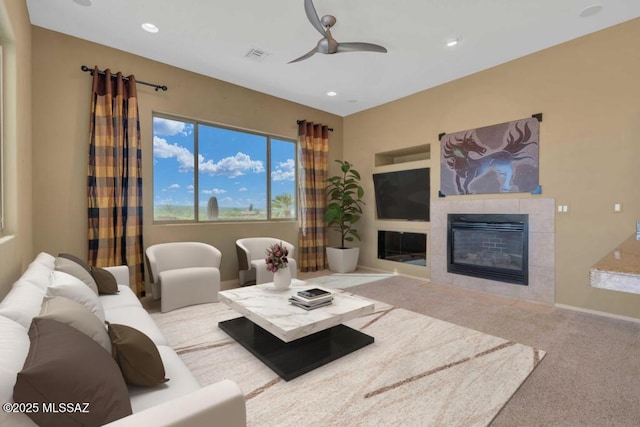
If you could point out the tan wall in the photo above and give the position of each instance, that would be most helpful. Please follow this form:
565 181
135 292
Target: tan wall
16 241
590 142
588 91
61 128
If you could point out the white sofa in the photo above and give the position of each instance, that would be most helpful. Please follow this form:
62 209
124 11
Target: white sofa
179 402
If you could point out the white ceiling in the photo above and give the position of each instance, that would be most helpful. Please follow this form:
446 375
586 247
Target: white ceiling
211 37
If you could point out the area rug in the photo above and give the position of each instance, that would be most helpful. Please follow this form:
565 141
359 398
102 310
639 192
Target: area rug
419 371
347 280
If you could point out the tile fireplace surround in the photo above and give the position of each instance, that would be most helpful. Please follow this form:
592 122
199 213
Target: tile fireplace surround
541 288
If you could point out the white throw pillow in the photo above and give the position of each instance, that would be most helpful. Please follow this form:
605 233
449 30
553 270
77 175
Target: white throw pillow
65 285
76 315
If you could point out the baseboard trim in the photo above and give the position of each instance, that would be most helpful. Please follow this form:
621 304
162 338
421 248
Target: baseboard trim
379 270
598 313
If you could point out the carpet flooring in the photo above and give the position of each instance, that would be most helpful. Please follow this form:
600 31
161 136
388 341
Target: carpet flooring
589 377
419 371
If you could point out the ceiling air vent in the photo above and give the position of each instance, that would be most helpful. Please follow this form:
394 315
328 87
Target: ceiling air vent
256 55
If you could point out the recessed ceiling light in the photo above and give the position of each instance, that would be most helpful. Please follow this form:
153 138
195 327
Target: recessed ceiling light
590 10
332 93
150 27
83 2
452 41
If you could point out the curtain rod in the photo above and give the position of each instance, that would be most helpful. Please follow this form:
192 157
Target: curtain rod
301 121
157 87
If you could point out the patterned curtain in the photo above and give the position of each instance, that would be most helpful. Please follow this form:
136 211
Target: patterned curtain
114 185
313 154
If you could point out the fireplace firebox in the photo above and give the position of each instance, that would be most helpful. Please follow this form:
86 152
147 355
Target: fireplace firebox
489 246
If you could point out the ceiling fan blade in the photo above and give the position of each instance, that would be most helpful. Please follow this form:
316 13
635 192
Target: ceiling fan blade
360 47
312 15
305 56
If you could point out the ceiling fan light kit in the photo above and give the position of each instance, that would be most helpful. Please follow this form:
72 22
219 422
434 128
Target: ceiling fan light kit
327 44
452 41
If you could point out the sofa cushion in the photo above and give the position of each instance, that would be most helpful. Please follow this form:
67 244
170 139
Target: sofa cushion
66 285
138 318
76 315
78 271
105 280
182 383
22 303
137 356
124 298
64 365
38 274
14 346
46 259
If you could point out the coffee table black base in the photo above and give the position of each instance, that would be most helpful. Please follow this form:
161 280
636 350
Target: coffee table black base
290 360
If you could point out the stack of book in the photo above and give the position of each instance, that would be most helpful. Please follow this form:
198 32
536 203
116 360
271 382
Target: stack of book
311 298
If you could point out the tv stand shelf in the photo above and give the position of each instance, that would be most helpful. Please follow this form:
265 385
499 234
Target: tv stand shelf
403 155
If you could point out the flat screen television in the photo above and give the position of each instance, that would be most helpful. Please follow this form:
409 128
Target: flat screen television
402 194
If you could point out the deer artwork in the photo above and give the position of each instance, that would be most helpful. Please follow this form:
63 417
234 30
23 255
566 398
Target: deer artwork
457 151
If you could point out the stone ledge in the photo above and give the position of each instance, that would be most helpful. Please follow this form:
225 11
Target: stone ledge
620 269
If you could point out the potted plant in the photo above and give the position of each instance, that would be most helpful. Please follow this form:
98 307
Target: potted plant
343 211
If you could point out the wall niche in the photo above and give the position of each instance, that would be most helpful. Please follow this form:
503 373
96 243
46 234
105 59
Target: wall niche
403 155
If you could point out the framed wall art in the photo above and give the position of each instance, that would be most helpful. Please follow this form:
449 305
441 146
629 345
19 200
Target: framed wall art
502 158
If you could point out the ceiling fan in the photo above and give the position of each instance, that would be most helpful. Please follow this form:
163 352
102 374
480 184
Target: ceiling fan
327 44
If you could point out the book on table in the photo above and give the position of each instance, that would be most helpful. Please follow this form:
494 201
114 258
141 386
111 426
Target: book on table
311 298
314 295
312 306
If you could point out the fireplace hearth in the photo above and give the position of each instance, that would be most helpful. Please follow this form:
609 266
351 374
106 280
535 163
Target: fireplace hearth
489 246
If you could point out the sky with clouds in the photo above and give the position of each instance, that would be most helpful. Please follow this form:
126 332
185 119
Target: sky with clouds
232 166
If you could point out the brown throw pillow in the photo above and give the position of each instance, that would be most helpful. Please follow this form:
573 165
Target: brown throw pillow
64 365
137 356
76 260
106 282
78 271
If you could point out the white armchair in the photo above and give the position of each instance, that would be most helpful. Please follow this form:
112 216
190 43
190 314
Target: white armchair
183 273
252 252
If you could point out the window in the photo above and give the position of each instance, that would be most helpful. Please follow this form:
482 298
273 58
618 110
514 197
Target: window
203 172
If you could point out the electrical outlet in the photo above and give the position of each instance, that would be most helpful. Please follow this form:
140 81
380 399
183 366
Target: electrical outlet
617 207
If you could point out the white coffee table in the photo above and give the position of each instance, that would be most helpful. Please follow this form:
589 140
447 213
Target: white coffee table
288 339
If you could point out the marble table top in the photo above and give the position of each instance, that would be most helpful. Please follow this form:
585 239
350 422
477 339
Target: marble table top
624 259
269 308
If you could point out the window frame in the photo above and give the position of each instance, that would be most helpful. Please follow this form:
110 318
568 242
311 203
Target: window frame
196 184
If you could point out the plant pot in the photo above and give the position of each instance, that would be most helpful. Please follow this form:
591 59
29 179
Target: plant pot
282 279
343 260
